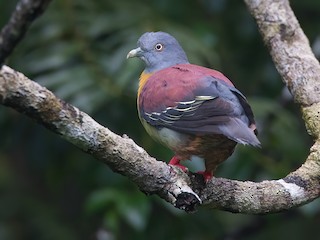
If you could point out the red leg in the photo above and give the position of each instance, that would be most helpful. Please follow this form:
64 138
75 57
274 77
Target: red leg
207 175
175 161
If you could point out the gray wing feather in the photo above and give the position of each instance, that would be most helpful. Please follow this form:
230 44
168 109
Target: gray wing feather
216 108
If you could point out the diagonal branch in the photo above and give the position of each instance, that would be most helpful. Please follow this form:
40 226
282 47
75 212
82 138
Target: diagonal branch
122 155
292 55
289 48
11 34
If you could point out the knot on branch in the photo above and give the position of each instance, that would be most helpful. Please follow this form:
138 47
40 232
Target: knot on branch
187 201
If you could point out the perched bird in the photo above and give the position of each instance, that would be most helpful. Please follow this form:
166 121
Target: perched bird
193 110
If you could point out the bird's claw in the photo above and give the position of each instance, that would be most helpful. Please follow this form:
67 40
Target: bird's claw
207 175
175 161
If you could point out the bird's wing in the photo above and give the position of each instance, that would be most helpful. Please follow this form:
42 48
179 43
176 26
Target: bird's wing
197 104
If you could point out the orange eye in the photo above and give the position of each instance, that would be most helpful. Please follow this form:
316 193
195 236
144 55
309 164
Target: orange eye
158 47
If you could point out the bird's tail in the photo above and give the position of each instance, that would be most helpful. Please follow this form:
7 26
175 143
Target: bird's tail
238 131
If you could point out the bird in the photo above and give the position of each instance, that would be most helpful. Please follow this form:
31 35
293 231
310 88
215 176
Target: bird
190 109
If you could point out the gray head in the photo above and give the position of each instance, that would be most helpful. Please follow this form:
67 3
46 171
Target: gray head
158 50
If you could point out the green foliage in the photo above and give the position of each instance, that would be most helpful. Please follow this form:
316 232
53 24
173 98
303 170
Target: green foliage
120 204
51 190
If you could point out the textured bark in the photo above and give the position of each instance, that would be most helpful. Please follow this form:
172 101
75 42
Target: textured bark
295 62
289 48
26 11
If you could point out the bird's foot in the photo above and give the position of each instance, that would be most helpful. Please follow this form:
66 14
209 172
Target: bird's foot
207 175
175 161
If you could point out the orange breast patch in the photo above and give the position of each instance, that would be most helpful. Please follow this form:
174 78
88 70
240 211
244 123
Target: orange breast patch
143 79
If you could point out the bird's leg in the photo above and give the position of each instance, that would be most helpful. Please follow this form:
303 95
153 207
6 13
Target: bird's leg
207 175
175 161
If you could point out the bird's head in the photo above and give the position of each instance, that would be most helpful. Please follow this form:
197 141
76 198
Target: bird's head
158 50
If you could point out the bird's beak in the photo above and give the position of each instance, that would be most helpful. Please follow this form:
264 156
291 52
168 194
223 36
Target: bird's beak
134 53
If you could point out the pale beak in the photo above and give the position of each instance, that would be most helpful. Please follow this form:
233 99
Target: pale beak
134 53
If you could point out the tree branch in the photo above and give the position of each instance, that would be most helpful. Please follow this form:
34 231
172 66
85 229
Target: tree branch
289 48
122 155
292 55
26 11
300 71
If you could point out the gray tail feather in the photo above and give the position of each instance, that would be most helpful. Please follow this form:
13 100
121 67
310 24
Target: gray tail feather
238 131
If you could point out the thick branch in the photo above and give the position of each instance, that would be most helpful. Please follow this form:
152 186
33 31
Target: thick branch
289 48
26 11
292 55
155 177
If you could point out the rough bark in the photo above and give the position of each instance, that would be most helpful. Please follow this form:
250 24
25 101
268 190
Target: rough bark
289 48
295 62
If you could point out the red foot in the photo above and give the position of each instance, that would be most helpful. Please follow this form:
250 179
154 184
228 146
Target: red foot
206 175
175 161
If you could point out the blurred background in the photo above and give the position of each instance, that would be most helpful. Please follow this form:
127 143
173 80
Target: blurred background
49 189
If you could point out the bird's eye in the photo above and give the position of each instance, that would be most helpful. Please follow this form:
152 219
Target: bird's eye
158 47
